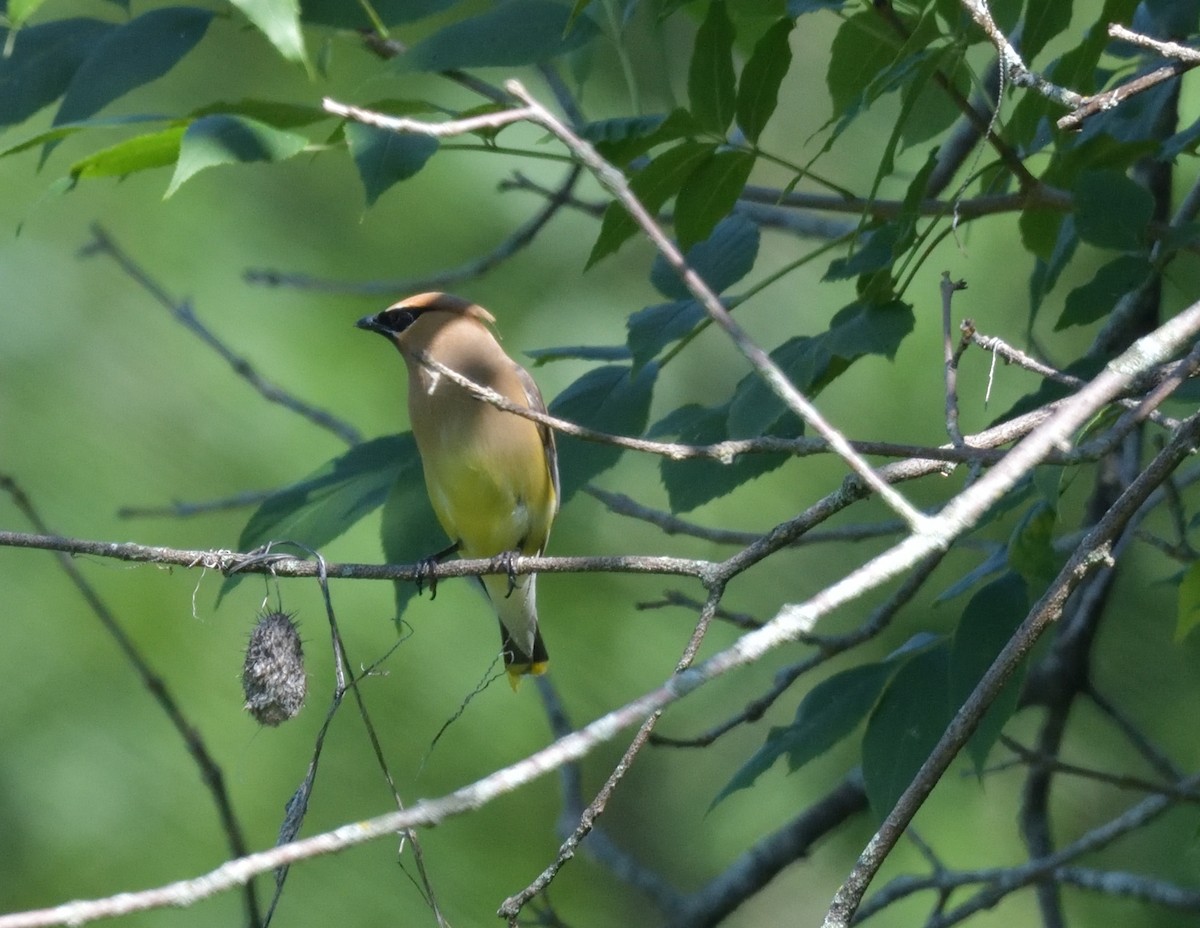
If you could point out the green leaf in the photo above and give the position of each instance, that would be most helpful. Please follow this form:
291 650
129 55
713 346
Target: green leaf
409 529
41 63
877 250
1031 548
279 21
343 15
140 153
542 356
511 34
20 10
709 194
988 622
656 183
829 712
1046 272
1111 210
611 399
623 138
216 140
711 81
384 158
1188 616
695 482
907 722
1043 21
129 56
61 132
862 50
1096 299
272 112
653 328
722 259
758 92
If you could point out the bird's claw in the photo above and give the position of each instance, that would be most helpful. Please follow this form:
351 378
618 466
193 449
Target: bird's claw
426 572
508 561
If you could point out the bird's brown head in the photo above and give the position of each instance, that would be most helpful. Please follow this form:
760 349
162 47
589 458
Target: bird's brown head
399 317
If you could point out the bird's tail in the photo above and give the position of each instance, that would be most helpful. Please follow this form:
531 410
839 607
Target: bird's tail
520 638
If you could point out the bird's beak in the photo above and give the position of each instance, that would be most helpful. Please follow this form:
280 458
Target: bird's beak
372 324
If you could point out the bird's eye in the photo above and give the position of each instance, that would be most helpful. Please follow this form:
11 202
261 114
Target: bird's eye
397 320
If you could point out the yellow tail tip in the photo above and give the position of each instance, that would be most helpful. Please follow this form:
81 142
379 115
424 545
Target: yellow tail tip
517 671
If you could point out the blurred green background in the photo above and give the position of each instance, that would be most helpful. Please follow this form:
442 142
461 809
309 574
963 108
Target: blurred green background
107 402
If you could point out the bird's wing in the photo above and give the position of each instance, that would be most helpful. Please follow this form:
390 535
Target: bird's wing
533 396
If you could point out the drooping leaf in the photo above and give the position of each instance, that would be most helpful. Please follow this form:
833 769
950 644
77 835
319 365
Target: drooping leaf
722 259
140 153
42 61
279 21
61 132
613 399
511 34
1095 299
758 92
409 529
1112 210
709 193
385 158
129 56
216 140
907 722
988 621
862 49
828 713
656 183
1188 614
1043 22
711 82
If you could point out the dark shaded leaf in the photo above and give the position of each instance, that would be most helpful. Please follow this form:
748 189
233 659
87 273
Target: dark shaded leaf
542 356
1188 602
862 50
129 56
722 259
709 194
829 712
988 621
797 8
42 62
385 158
512 34
624 138
906 724
216 140
1031 548
1111 210
409 530
343 15
1043 21
1046 273
656 183
711 81
758 92
1095 300
653 328
610 399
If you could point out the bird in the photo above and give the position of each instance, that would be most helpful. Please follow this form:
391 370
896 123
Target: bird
491 475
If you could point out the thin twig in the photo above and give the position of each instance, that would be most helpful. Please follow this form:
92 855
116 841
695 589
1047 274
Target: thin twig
950 357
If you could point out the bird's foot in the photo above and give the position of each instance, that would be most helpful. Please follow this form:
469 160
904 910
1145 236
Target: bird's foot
507 561
425 571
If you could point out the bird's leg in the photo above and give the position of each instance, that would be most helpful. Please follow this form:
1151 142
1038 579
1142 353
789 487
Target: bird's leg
425 570
508 561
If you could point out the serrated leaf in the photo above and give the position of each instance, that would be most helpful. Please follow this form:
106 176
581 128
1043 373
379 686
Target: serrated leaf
41 63
216 140
279 21
907 722
129 56
829 712
343 15
1188 610
758 92
1111 210
988 621
140 153
711 82
384 158
656 183
709 194
1095 299
612 399
511 34
722 259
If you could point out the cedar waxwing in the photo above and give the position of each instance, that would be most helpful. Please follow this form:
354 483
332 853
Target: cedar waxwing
492 476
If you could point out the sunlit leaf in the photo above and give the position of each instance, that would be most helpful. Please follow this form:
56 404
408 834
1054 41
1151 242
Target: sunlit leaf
279 21
216 140
140 153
